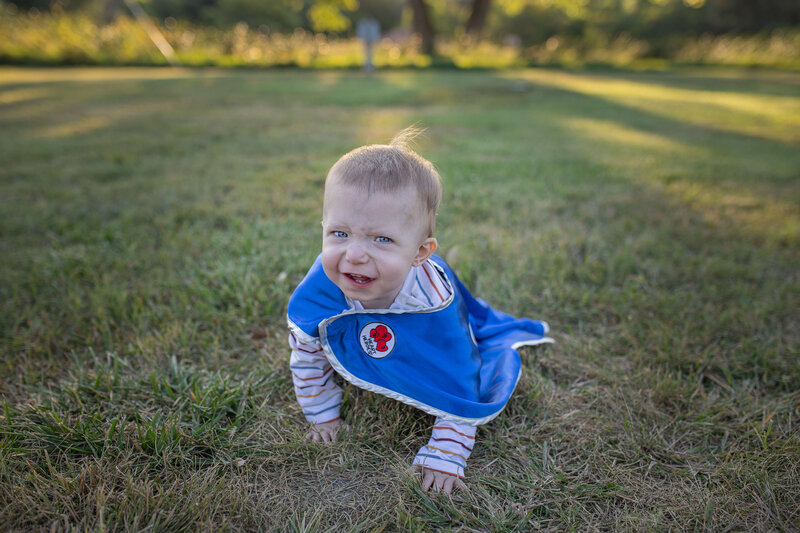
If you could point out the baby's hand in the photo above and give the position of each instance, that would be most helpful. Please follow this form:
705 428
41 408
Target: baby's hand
325 432
439 481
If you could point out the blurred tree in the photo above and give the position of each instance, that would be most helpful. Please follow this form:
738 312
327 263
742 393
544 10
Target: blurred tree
280 15
327 16
532 21
477 18
423 25
112 10
722 16
388 13
46 5
423 21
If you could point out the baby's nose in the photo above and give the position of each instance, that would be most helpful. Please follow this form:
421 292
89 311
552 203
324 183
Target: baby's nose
356 253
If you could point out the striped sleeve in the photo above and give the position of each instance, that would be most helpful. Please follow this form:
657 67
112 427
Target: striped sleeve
319 397
431 284
448 449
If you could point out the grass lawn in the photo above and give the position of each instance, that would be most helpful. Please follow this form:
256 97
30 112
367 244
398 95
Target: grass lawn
153 223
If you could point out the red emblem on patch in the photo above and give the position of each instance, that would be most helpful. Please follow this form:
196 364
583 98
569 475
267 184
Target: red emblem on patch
381 336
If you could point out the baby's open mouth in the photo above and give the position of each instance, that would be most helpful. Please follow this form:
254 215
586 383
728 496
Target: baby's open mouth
361 280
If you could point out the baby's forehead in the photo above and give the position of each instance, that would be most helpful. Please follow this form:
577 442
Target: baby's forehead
371 183
357 192
380 212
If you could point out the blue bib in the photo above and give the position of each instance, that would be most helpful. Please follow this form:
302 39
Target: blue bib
457 360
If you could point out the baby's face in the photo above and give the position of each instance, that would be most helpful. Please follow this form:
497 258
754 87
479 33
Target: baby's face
371 241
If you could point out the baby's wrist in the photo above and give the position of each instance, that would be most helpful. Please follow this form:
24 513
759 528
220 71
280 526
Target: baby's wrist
318 420
427 461
330 422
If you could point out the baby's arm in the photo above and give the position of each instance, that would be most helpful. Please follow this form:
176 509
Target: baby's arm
319 397
445 456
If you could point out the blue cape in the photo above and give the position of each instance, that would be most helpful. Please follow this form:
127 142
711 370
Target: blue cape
457 360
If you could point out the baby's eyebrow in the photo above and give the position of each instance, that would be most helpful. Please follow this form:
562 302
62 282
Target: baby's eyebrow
382 233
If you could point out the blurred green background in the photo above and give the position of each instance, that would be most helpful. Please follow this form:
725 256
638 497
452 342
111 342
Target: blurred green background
415 33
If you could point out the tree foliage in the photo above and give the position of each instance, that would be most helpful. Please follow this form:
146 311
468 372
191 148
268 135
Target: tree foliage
536 20
326 15
530 21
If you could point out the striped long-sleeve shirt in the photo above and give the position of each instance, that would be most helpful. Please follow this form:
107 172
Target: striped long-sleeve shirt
320 398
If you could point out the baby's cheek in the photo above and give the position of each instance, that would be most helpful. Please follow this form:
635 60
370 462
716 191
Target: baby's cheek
329 263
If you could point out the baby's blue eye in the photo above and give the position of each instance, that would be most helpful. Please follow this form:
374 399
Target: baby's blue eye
340 234
383 239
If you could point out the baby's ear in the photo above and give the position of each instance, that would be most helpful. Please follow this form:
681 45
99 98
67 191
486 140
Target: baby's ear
426 250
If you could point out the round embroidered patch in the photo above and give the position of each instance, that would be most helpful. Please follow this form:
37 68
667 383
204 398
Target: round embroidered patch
377 340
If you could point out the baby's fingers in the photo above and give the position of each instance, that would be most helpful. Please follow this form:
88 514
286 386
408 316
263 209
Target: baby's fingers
448 484
320 436
427 480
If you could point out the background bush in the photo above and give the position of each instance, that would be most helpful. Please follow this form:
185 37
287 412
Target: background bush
83 36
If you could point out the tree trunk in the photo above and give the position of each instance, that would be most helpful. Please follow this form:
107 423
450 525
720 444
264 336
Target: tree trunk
112 9
423 25
477 18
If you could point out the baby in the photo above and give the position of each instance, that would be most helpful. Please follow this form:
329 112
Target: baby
385 313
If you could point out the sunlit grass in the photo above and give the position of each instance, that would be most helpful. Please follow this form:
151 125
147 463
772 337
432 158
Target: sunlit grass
773 116
155 221
84 125
634 139
761 209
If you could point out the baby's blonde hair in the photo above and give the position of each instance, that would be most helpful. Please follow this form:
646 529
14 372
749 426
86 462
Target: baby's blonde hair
388 168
